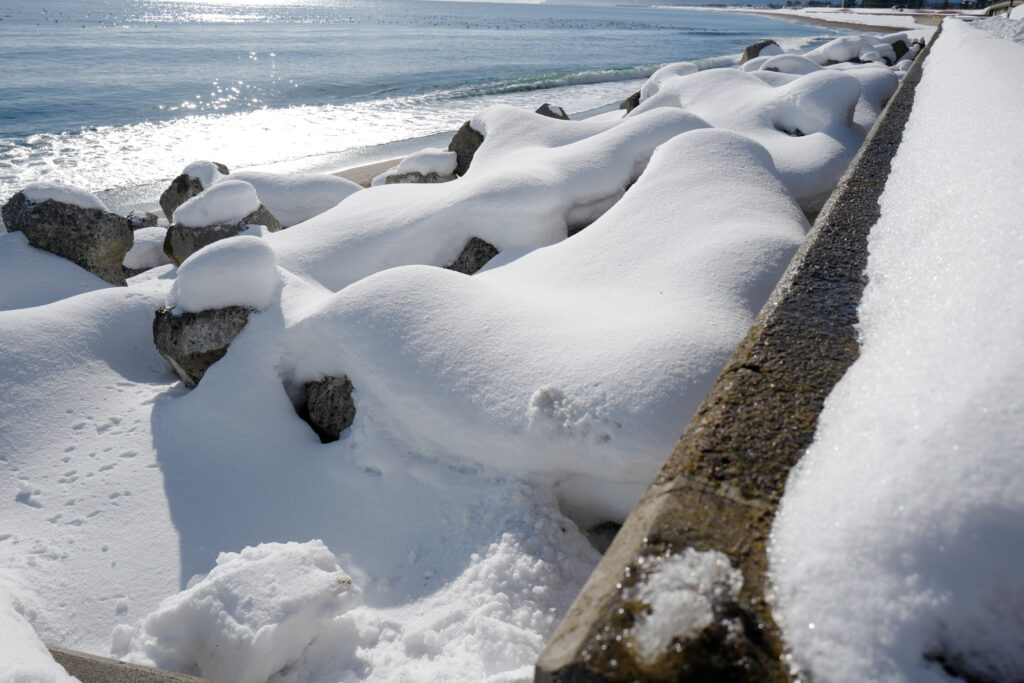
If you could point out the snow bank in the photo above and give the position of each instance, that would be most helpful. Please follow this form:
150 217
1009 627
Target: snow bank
226 202
582 358
33 277
523 197
653 84
296 197
25 658
252 616
684 595
238 271
1010 29
900 540
206 172
66 194
148 249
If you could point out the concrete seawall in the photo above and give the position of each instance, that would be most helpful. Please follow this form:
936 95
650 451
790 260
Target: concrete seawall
720 487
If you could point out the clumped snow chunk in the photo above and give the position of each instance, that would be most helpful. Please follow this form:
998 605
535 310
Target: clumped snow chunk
900 540
38 193
237 271
296 197
227 202
147 250
253 615
685 594
206 172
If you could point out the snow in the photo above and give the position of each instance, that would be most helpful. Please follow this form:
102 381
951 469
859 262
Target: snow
206 172
1010 29
296 197
238 271
654 83
900 538
148 249
38 193
224 203
498 415
253 615
684 594
1017 13
426 161
25 658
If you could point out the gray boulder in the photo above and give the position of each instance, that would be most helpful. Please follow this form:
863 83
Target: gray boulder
192 342
329 407
181 242
144 220
631 102
553 112
901 48
465 144
94 239
183 188
473 257
751 51
417 177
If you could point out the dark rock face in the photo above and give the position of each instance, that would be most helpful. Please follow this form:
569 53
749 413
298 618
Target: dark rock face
181 189
554 112
465 144
900 48
751 51
417 177
631 102
182 242
192 342
94 239
473 257
329 407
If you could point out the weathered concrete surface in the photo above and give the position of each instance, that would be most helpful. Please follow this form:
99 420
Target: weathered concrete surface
93 669
721 485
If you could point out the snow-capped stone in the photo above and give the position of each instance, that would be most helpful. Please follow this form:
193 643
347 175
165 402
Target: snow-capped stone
631 102
192 342
197 176
237 272
554 112
73 224
765 47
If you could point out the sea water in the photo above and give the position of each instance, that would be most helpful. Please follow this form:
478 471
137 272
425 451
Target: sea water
117 96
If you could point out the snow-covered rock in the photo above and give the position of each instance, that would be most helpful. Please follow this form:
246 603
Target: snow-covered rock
196 177
552 111
424 166
767 48
228 208
73 224
237 272
464 143
296 197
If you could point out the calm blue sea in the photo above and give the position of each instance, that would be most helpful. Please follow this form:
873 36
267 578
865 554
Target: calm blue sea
116 96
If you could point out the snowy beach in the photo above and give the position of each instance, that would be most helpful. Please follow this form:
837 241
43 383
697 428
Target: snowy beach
422 405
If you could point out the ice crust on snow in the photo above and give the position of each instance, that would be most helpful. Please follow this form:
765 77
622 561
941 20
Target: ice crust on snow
252 616
238 271
900 538
66 194
684 594
296 197
224 203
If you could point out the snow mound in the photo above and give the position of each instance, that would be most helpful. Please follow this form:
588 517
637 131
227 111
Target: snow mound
66 194
253 615
684 594
789 64
237 271
33 277
148 249
226 202
653 84
296 197
593 352
526 197
426 161
898 547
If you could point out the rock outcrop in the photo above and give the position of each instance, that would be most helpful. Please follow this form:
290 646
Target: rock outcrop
465 144
329 407
417 177
751 51
183 188
554 112
631 102
192 342
181 241
473 257
92 238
